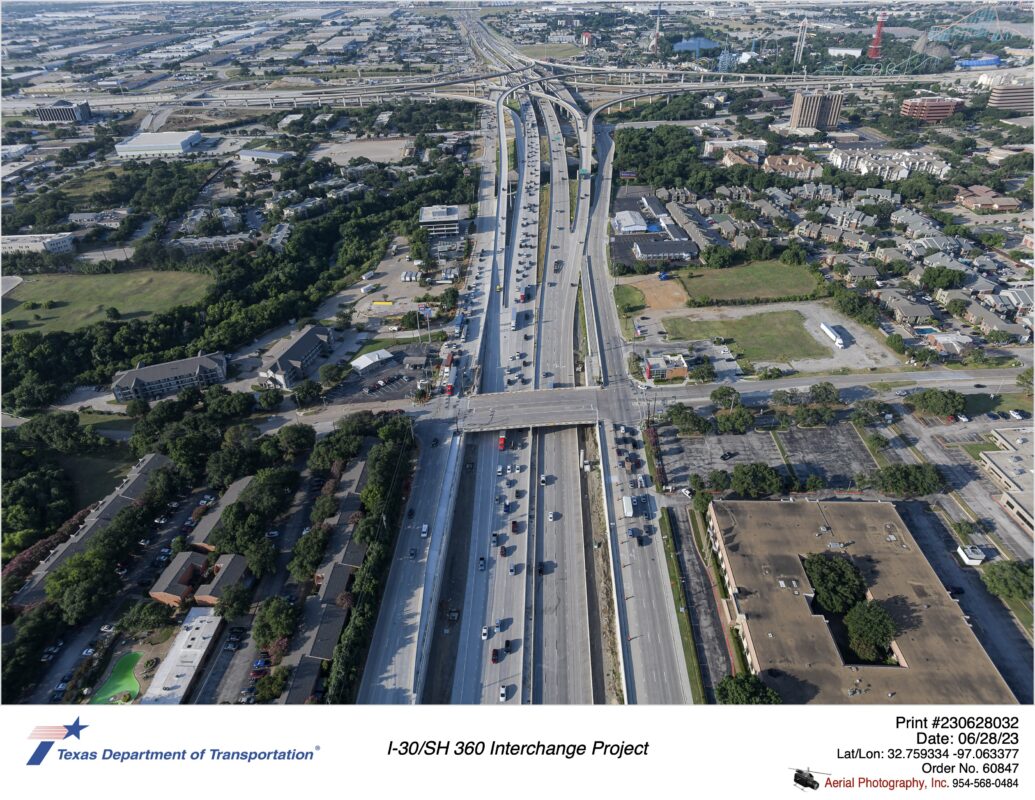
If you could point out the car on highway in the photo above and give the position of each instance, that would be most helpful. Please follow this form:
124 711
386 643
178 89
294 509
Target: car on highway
553 516
503 694
413 552
542 480
495 657
513 569
485 632
481 563
424 529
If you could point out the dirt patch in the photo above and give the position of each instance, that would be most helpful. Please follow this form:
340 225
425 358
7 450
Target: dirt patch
659 295
382 150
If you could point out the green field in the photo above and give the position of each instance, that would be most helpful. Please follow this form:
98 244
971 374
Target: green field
759 279
551 50
93 180
982 403
629 299
120 682
95 476
82 299
771 336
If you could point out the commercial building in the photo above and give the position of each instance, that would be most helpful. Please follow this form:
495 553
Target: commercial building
125 495
930 109
170 377
182 665
227 572
176 583
288 361
440 220
158 145
278 236
760 547
202 535
821 110
1013 97
265 156
1011 470
892 165
626 222
38 243
63 111
110 218
681 250
665 367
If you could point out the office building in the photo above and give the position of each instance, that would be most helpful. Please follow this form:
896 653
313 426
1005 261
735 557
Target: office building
930 109
440 220
63 111
1013 97
791 643
288 361
170 377
56 243
158 145
821 110
1010 469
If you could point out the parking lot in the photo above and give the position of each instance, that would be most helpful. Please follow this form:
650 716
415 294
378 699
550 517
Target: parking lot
835 454
388 380
702 454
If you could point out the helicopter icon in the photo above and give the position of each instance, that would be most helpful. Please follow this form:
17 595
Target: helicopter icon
805 778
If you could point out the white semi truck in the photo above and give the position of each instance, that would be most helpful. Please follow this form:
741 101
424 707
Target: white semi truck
832 334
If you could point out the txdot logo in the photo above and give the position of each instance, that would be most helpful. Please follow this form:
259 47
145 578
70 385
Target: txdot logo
48 734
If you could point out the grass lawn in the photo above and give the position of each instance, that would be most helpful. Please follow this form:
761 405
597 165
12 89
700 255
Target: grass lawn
975 450
982 403
95 476
119 682
1022 611
629 299
82 299
771 336
887 386
550 50
759 279
91 181
113 422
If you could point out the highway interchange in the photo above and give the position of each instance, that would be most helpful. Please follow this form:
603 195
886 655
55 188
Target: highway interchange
544 371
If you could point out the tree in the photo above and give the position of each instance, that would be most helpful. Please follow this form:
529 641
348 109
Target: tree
137 408
904 480
957 307
942 278
870 630
686 420
755 480
745 689
296 439
837 582
940 402
331 373
234 602
717 257
876 442
60 431
725 397
145 616
794 255
701 502
306 393
896 343
1024 380
824 392
1011 580
996 336
272 686
274 620
815 483
719 480
270 399
738 421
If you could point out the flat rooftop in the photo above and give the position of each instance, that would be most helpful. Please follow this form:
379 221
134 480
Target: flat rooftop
182 664
763 544
439 214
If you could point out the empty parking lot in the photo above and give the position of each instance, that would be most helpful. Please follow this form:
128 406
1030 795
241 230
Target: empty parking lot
835 454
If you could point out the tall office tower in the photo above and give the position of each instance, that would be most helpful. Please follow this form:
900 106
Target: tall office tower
820 110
